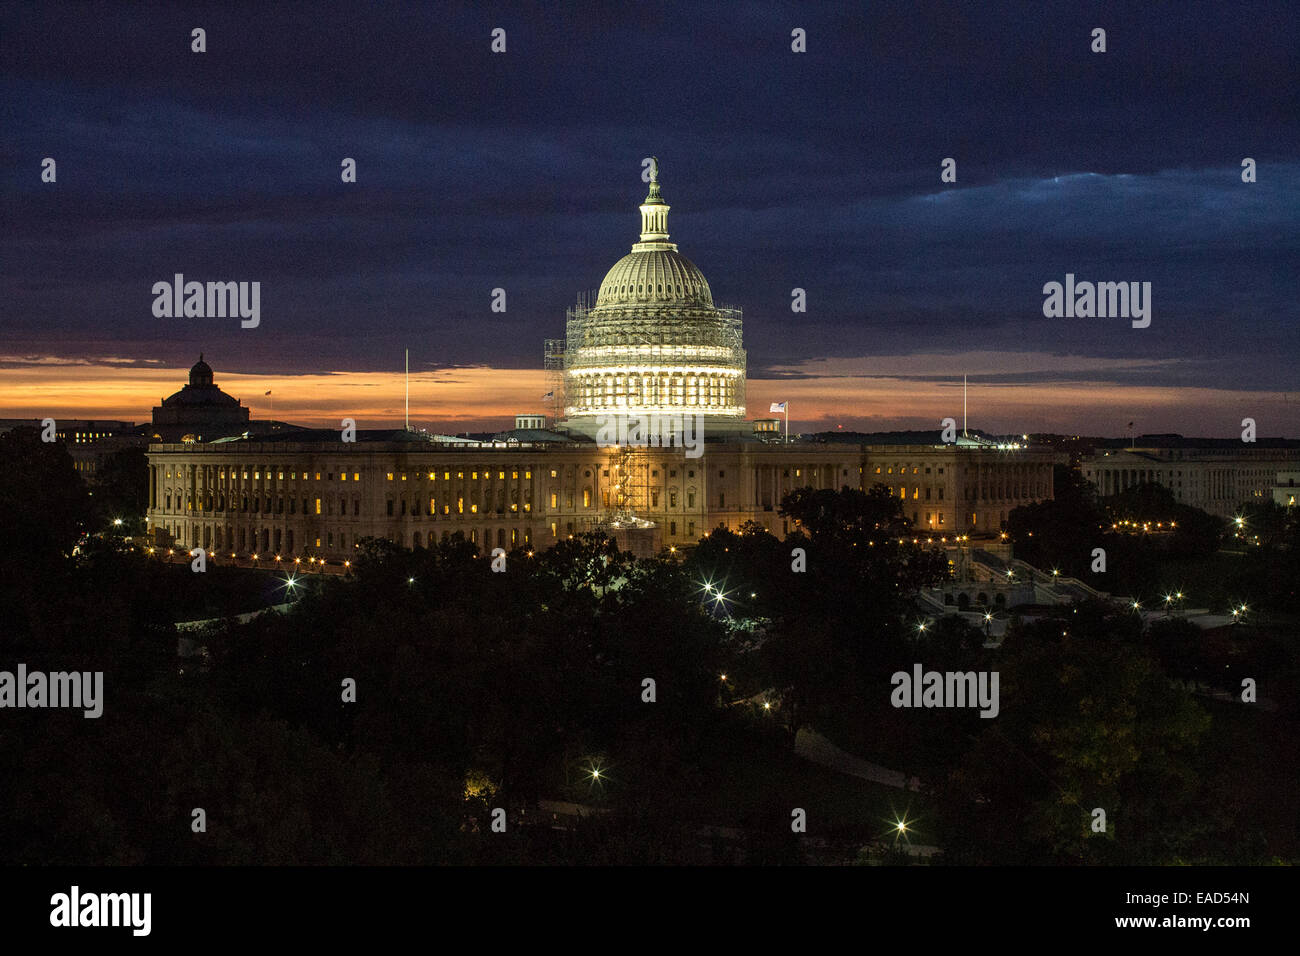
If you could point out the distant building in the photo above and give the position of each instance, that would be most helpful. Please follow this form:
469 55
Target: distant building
1215 475
200 411
1287 488
88 440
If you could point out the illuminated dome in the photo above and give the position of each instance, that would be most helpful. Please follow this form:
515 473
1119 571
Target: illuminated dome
654 343
661 277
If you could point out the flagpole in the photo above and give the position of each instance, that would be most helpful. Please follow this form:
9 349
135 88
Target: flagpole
787 422
408 390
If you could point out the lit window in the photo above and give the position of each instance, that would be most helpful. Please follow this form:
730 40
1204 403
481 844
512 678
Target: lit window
318 476
356 476
501 475
318 506
343 476
390 476
528 475
473 476
554 497
586 497
552 472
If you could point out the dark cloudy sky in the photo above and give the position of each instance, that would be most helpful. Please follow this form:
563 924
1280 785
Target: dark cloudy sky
522 171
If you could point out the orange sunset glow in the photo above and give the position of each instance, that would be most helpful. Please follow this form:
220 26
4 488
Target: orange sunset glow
822 395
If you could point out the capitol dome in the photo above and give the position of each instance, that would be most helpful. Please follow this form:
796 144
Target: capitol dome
661 276
655 342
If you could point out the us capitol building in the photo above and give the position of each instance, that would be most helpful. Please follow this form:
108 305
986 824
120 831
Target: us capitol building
654 347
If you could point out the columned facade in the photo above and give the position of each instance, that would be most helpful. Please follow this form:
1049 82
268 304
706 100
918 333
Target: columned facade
321 499
1215 479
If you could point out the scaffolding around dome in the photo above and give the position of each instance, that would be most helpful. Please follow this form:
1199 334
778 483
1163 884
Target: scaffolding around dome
644 364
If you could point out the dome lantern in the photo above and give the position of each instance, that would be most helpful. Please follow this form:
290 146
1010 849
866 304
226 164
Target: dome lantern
201 373
654 216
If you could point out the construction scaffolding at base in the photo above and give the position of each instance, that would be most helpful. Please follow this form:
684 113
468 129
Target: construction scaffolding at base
628 495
